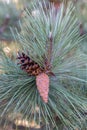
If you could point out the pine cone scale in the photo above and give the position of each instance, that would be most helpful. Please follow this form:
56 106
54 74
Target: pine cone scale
28 65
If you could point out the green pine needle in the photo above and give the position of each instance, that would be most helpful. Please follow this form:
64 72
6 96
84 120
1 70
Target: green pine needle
19 90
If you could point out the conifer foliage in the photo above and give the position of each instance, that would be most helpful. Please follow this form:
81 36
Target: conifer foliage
49 41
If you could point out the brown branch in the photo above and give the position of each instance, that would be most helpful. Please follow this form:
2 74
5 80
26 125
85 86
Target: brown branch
82 32
5 24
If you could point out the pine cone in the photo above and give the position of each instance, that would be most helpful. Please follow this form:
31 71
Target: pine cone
33 69
42 82
28 65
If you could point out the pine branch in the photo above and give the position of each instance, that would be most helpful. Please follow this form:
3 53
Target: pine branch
61 50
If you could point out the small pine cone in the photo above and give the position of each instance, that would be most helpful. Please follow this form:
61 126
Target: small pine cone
28 65
42 82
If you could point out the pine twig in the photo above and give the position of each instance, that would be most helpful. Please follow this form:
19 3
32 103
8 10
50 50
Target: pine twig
50 46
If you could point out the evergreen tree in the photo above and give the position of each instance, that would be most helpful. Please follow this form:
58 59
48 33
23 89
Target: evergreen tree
44 82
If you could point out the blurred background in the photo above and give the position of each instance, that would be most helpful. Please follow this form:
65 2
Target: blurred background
11 12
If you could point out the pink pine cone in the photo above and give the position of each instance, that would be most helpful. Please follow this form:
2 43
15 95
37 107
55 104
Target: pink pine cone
42 82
